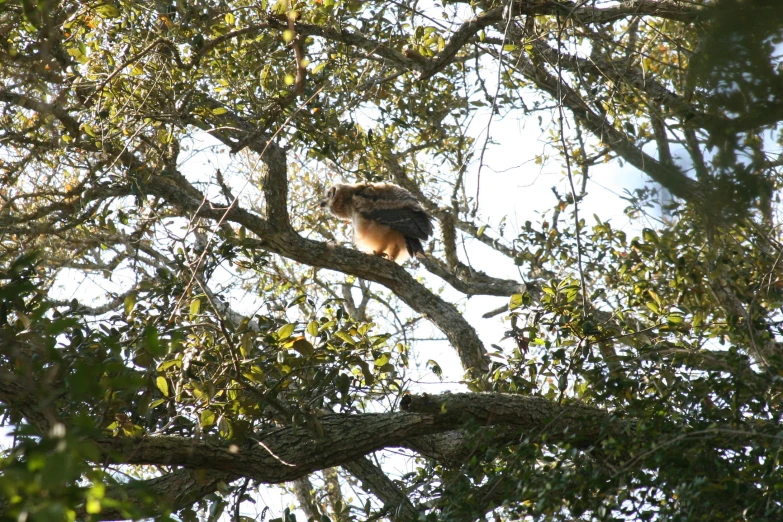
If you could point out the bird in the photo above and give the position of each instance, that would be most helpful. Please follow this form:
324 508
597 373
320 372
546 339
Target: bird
387 220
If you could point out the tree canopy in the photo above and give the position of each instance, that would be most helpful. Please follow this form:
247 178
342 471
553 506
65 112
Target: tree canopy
178 329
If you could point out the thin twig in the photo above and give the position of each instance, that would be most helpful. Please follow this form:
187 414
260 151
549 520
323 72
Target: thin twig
568 166
509 15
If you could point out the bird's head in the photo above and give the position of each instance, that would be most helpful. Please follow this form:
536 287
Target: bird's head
324 203
338 201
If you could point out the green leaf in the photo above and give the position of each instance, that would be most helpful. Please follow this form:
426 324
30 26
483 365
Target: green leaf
312 328
130 302
246 344
675 317
152 343
163 385
107 11
207 418
285 331
345 337
698 319
515 301
254 375
195 306
304 347
225 428
297 300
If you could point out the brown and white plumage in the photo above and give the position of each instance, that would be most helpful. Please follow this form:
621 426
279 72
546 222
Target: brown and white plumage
387 220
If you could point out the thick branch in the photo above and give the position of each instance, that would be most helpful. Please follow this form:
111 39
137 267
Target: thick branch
560 422
453 448
282 455
375 481
670 10
303 491
179 489
237 133
288 453
428 67
353 38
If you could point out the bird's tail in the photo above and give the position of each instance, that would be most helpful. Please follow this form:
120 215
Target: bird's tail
414 246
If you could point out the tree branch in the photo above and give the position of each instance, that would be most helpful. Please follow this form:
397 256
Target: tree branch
670 177
278 236
177 489
375 481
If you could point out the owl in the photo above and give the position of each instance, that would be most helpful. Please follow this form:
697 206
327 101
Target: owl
387 220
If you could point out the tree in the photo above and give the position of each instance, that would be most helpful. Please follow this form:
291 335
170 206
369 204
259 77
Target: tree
638 376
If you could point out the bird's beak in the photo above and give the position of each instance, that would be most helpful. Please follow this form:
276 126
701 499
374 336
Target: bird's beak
322 203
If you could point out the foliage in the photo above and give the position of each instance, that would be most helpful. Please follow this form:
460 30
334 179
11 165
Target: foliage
179 325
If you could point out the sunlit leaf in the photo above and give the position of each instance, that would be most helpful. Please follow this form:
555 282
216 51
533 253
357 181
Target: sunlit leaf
130 302
195 306
163 385
285 331
312 328
207 418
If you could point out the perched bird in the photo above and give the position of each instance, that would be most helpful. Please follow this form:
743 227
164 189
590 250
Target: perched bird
387 220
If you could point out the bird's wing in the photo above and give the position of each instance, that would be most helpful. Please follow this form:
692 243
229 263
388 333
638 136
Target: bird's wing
408 221
394 207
